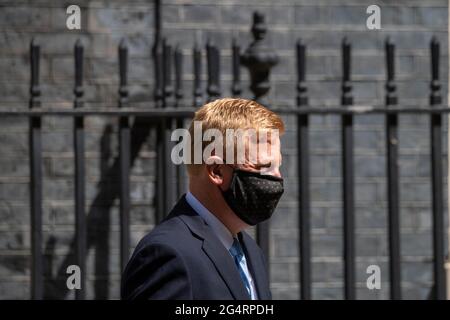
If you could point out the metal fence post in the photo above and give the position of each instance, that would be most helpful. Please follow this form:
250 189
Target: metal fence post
78 136
437 175
348 175
392 175
35 142
236 68
124 156
213 60
303 170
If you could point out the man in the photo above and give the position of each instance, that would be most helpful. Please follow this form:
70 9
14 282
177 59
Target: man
201 251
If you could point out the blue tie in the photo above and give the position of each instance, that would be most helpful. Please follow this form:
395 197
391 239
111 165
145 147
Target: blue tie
238 255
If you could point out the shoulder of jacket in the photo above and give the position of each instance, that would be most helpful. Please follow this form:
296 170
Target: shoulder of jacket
172 234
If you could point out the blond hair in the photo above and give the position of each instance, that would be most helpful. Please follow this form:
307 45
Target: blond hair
232 113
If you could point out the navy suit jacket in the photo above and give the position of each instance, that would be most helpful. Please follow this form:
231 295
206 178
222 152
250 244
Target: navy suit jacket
182 258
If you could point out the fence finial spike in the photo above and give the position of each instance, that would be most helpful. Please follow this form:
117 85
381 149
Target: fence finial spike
196 45
34 41
123 71
198 36
389 40
434 39
123 43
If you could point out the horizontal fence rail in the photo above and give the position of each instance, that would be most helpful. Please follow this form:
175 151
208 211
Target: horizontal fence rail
186 112
169 109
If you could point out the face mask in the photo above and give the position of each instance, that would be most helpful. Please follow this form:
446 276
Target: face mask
253 196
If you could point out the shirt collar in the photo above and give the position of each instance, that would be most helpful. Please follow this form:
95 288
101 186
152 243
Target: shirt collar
218 227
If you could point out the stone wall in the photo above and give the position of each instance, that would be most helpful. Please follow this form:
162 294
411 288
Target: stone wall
321 24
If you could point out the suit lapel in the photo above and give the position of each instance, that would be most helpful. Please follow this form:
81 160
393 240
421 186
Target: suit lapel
256 266
225 266
214 249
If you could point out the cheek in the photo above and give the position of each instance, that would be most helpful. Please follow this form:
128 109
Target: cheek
227 180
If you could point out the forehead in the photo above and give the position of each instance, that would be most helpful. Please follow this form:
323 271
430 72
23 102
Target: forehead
263 149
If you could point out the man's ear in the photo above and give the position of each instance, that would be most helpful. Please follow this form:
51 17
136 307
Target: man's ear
215 173
215 169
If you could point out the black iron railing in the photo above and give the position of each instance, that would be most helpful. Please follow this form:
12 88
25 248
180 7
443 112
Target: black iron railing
169 108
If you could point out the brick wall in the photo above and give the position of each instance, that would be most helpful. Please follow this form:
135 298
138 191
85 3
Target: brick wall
321 24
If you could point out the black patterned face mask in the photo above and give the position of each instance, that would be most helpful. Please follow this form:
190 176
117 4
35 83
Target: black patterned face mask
253 196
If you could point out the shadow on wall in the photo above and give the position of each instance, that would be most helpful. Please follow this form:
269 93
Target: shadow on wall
98 215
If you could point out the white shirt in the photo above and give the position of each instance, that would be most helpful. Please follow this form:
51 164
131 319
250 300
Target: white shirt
224 235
